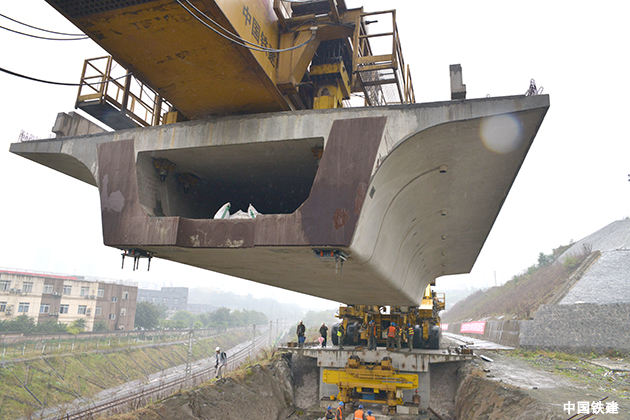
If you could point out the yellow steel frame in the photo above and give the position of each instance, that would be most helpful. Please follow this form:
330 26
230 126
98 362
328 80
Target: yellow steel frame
381 378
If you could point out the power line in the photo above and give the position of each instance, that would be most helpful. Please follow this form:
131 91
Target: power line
252 47
35 79
43 37
39 29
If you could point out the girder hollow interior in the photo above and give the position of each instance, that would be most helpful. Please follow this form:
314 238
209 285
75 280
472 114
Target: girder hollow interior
275 177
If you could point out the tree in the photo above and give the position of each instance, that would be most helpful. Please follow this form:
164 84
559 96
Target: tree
99 326
148 315
76 326
544 259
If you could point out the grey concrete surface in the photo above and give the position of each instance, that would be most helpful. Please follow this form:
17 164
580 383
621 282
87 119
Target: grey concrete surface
606 281
578 327
615 236
439 176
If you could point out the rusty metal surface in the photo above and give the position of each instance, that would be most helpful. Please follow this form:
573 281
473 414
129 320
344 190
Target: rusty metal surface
327 217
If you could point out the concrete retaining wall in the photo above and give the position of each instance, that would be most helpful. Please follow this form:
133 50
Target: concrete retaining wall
579 327
504 332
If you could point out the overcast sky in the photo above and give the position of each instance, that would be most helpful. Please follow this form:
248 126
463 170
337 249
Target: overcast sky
573 182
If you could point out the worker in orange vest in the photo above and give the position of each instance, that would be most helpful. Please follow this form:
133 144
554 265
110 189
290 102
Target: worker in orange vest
370 416
339 412
359 414
391 335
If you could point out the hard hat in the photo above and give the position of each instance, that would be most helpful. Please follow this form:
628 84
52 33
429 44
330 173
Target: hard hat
340 403
360 407
369 412
217 349
394 324
329 408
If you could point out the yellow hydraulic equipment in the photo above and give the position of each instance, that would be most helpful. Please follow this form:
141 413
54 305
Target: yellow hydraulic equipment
376 383
190 59
424 319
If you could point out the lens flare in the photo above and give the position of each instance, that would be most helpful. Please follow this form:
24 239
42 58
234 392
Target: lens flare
501 133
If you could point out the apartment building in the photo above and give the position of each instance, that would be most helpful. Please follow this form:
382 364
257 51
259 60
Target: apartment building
173 298
46 296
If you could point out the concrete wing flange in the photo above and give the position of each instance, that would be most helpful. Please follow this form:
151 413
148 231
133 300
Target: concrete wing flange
408 192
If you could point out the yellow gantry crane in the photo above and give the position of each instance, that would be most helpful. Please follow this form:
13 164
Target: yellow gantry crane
189 59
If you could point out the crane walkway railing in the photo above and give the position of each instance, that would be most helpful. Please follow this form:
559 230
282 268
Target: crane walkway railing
100 90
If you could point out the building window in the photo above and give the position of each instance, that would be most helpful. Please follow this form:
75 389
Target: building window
85 291
101 292
67 289
3 306
123 311
125 295
27 287
82 309
5 285
44 308
112 316
114 299
63 309
48 288
98 310
23 307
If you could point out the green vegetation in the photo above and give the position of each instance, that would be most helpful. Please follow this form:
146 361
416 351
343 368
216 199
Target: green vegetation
26 325
149 316
578 367
524 293
58 380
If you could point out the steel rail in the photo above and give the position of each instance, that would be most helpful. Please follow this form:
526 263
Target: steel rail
237 359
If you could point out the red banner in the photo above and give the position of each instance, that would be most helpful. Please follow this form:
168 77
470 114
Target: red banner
475 327
444 327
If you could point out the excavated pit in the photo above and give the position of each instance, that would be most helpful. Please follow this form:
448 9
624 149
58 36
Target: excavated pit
287 388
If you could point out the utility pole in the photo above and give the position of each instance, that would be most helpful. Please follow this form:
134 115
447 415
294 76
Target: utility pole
270 333
189 355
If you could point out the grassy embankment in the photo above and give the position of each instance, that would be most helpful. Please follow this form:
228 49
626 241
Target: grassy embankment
520 297
581 368
57 380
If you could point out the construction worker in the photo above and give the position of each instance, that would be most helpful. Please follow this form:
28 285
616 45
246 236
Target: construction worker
410 336
220 362
371 335
370 416
391 335
323 331
399 334
359 414
300 331
340 335
329 414
339 412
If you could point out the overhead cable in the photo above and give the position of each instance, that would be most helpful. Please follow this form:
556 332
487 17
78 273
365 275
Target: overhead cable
38 28
43 37
238 40
35 79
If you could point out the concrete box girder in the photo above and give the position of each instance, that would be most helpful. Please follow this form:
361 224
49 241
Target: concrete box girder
408 192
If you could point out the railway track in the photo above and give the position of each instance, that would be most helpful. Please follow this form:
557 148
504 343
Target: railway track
137 397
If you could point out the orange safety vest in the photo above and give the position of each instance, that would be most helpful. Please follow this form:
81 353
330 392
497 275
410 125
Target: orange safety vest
339 413
358 415
370 418
391 331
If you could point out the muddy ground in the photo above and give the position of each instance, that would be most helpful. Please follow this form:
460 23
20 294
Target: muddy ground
516 385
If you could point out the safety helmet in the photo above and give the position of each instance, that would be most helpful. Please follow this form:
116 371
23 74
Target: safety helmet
340 403
369 412
329 408
360 406
217 349
393 324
